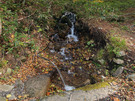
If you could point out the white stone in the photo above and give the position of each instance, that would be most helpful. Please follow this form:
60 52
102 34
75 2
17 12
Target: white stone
118 61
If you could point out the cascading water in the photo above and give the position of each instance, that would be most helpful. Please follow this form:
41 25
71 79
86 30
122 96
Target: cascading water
63 52
72 35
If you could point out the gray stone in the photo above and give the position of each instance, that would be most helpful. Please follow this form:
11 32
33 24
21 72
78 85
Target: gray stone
56 98
6 88
132 77
37 86
9 71
118 61
121 53
118 71
80 95
2 99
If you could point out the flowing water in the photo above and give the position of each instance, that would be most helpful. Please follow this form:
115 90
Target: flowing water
72 35
63 52
66 87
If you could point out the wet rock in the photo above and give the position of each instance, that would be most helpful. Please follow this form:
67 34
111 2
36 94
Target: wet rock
57 46
118 71
37 86
63 30
68 17
2 99
132 77
118 61
9 71
121 53
6 88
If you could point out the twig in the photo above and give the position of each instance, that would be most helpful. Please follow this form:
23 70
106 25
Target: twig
44 48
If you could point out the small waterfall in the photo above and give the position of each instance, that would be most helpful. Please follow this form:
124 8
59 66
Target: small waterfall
72 35
72 19
63 52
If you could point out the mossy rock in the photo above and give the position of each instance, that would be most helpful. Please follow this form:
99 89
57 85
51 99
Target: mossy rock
94 86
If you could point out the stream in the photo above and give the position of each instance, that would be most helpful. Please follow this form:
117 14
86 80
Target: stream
75 67
71 37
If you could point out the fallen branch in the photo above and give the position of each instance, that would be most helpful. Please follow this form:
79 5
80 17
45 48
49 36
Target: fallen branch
44 48
55 67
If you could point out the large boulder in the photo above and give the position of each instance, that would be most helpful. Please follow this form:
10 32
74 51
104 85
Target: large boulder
37 86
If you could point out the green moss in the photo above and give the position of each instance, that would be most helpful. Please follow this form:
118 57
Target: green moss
94 86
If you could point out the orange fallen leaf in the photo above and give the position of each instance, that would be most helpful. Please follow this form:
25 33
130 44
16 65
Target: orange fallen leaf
48 93
116 99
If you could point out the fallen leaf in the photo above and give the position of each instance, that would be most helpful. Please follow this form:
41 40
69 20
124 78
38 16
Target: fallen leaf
8 95
116 99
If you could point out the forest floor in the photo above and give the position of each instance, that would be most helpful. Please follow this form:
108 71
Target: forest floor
125 30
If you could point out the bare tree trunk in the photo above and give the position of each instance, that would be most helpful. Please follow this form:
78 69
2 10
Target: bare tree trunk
0 24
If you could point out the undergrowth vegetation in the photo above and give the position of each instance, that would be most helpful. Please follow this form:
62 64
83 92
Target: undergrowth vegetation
22 18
